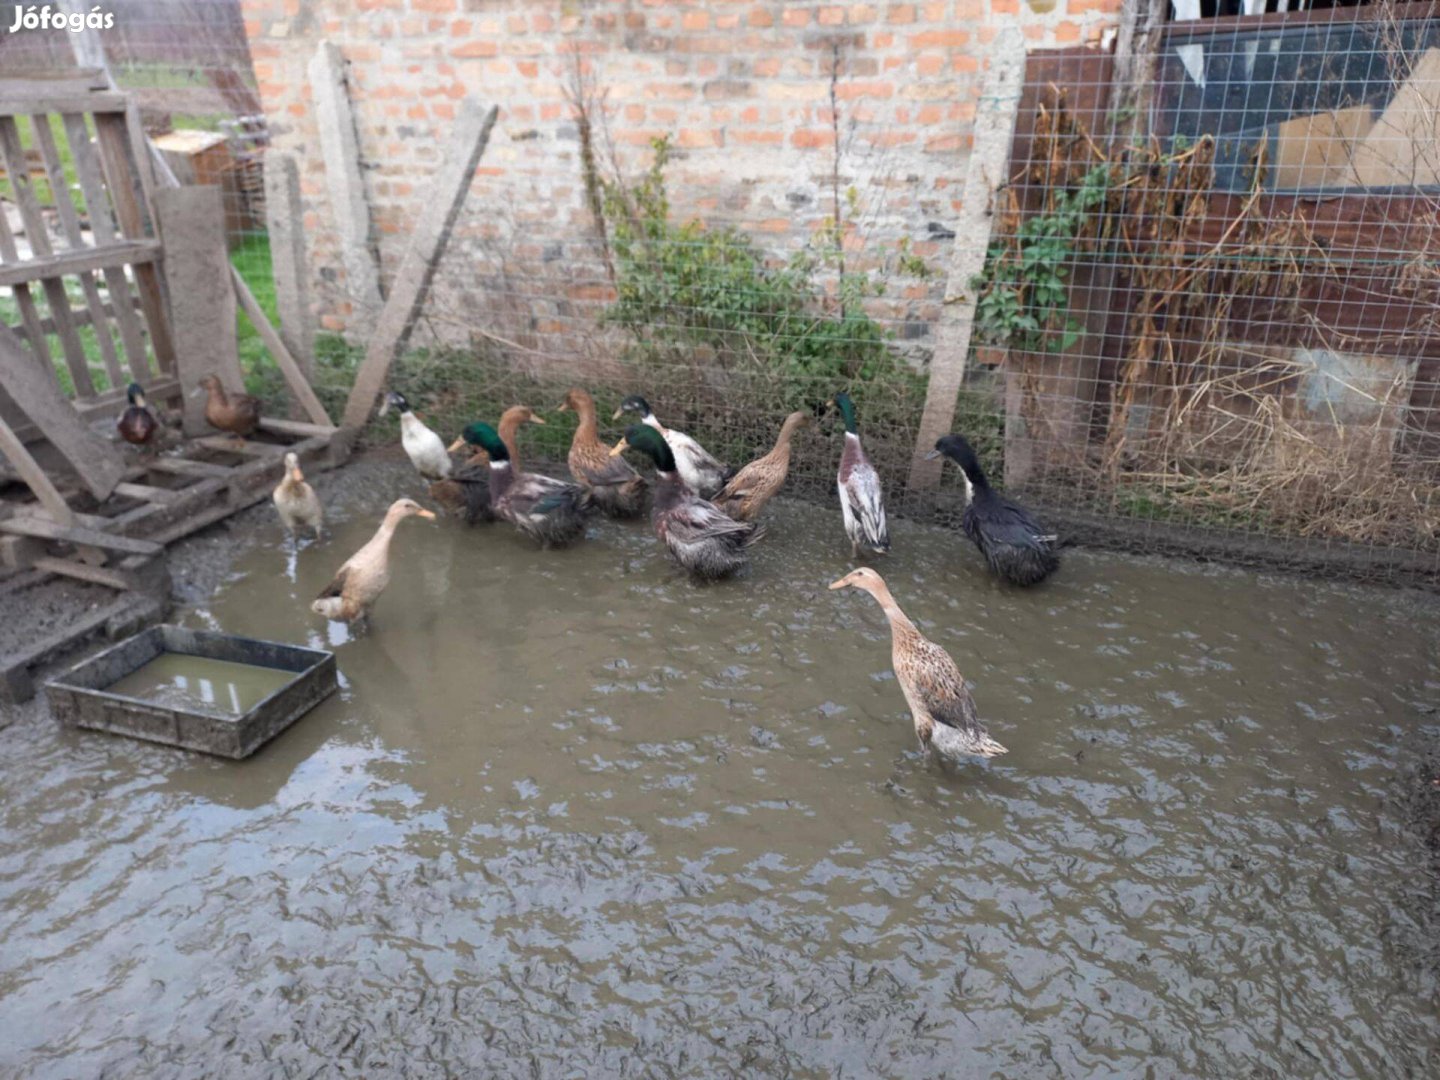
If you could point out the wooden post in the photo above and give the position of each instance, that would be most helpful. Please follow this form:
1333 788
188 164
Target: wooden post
340 149
427 243
984 175
202 300
285 219
35 393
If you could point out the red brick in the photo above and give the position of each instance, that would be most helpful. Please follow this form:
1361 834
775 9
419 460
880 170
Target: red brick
831 16
758 17
900 13
942 39
695 20
850 91
930 64
810 138
474 48
796 17
1067 32
695 138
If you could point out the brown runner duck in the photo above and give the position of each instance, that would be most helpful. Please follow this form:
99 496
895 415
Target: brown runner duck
618 490
747 492
938 696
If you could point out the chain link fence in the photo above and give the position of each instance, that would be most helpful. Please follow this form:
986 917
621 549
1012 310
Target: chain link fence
1206 319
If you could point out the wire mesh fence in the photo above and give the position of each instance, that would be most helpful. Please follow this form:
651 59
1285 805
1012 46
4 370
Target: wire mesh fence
1205 323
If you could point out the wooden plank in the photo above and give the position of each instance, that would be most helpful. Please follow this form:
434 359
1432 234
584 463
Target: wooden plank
80 535
984 173
192 223
163 496
340 150
285 221
442 204
102 102
70 225
247 447
296 428
49 267
22 190
96 575
41 401
113 137
49 82
177 466
102 225
295 379
30 320
34 476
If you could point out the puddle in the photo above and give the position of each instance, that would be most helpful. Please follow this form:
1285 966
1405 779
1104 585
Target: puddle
197 682
570 814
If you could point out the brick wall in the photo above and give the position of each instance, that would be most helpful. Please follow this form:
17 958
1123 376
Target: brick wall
744 88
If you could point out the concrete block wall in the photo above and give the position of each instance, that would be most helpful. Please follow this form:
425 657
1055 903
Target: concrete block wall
757 95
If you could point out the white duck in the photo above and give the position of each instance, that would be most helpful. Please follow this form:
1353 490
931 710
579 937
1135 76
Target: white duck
425 449
699 471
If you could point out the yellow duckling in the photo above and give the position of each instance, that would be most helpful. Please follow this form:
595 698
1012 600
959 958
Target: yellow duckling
296 501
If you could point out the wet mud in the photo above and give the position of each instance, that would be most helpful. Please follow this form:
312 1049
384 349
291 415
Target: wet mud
570 814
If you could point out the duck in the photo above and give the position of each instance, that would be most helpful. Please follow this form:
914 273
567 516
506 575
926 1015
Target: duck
137 424
550 511
509 430
747 492
1016 548
941 707
465 493
702 473
363 577
238 414
424 448
296 501
862 503
618 490
707 542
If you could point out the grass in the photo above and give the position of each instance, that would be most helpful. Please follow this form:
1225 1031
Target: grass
40 182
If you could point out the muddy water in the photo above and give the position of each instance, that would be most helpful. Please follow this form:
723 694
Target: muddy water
570 815
199 682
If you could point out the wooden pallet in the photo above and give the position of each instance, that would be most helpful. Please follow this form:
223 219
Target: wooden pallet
120 542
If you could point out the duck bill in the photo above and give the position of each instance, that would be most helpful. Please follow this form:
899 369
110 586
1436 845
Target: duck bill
537 419
296 475
428 515
619 448
384 407
843 583
562 407
618 413
932 455
457 445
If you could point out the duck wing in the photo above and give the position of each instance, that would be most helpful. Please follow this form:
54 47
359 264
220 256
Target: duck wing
535 494
941 688
337 584
867 502
695 520
602 470
1004 522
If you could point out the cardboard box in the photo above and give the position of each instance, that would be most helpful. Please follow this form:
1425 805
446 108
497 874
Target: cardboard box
1402 149
1318 151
